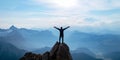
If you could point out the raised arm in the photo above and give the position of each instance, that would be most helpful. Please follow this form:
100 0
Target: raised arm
56 27
66 27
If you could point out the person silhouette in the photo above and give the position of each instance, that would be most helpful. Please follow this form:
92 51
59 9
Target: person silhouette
61 30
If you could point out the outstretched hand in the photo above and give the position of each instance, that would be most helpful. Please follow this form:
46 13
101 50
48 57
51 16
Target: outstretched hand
66 28
56 27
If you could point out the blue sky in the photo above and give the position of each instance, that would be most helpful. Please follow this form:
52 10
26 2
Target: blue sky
96 15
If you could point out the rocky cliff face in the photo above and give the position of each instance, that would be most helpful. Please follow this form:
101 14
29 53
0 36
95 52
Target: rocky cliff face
60 51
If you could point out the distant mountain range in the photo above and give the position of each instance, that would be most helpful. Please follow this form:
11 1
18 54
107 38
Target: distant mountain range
113 55
41 50
83 50
32 39
88 44
27 39
83 56
10 52
95 42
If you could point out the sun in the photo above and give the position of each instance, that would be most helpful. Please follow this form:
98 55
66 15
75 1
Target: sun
65 3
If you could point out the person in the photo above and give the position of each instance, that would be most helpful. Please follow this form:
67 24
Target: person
61 30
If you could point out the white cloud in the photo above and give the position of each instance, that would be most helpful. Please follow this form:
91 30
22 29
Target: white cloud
59 3
64 13
115 3
81 4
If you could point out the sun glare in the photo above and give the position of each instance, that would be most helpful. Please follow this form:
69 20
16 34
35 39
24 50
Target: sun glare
65 3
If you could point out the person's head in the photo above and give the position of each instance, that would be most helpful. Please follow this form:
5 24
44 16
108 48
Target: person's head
60 27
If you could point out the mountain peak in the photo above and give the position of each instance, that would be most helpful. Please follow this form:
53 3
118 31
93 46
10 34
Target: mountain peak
13 27
60 51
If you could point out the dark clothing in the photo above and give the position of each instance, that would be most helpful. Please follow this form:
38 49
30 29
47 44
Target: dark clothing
61 30
61 35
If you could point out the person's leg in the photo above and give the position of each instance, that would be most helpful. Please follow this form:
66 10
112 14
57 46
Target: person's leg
62 39
59 38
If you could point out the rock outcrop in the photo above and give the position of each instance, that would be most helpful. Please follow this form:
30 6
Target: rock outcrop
31 56
60 51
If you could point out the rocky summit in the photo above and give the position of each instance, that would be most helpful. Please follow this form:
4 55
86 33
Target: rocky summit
60 51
